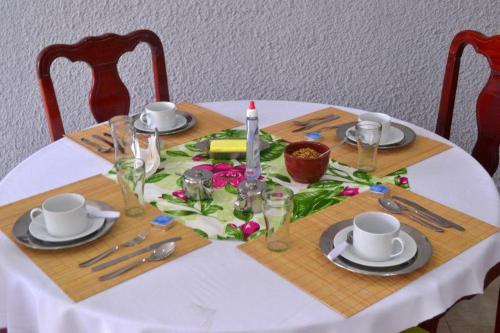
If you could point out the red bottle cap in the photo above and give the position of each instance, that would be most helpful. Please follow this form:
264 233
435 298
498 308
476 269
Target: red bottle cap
252 105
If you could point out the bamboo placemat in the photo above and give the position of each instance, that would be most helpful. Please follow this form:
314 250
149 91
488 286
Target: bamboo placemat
62 266
388 160
304 264
207 122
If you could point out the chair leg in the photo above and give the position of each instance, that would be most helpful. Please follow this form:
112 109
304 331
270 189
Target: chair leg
497 319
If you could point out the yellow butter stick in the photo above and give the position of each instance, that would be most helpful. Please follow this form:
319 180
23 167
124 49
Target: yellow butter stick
228 146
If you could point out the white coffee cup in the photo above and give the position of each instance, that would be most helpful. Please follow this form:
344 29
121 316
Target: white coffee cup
383 119
160 115
374 234
64 214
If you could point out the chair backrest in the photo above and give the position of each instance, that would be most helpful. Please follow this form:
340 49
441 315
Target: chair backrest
109 96
488 102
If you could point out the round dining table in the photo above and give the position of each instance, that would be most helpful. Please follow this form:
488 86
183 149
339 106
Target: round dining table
218 287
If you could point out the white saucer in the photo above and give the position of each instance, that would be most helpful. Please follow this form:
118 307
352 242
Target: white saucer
395 135
38 230
349 254
180 121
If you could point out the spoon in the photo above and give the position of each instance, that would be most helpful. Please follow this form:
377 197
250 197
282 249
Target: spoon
159 253
333 147
336 251
393 207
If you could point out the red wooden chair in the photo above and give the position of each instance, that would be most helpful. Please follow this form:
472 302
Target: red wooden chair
488 102
488 121
109 96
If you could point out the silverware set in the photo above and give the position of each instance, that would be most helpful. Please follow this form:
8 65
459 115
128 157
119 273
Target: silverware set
417 213
134 241
308 124
326 128
98 147
108 142
158 251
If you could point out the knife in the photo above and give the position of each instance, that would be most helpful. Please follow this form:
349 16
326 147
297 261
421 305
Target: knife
304 128
100 138
133 254
430 215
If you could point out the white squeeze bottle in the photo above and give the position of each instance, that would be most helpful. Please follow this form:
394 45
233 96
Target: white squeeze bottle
252 171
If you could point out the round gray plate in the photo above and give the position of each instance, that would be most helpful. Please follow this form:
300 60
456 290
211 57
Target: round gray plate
23 236
424 252
191 121
409 136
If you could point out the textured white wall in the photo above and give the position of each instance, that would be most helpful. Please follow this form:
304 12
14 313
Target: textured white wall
384 56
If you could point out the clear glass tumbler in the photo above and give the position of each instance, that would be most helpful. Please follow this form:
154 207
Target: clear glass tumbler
277 206
122 130
368 138
131 175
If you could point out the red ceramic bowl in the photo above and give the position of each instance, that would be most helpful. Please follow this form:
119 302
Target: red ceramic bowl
306 170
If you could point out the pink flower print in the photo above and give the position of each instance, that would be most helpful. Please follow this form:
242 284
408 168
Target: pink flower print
249 228
241 167
208 167
199 157
224 173
222 167
180 194
222 178
349 191
403 180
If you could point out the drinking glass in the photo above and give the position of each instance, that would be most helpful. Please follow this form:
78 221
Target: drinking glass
277 206
368 138
122 130
131 174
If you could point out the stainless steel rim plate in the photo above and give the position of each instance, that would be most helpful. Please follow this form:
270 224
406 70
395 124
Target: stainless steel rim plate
204 146
23 236
424 252
409 136
191 121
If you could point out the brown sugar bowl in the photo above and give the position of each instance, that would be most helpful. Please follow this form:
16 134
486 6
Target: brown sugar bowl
309 168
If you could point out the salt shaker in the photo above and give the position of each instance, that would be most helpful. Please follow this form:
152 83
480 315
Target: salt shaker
197 184
250 195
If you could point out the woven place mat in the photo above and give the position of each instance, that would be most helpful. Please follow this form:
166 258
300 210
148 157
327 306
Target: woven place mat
62 265
388 160
207 122
304 264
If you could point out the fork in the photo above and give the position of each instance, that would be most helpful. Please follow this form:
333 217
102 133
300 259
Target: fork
96 146
134 241
307 122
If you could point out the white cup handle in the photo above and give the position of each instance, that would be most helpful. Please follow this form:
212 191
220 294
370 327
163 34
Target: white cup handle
400 241
144 118
35 212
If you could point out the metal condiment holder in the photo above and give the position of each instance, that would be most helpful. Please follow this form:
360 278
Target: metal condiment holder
197 184
250 196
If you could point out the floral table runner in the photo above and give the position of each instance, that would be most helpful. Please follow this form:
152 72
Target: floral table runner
217 218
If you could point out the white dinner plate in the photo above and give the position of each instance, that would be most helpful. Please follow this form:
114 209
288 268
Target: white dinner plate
349 254
38 230
395 135
180 121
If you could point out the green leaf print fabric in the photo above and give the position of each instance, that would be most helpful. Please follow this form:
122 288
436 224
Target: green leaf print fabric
218 218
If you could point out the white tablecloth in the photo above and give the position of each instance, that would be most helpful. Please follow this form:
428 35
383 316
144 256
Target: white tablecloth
218 287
